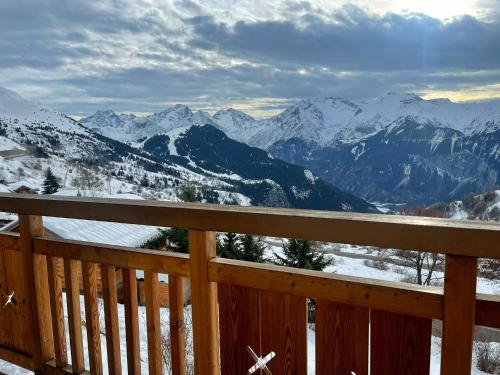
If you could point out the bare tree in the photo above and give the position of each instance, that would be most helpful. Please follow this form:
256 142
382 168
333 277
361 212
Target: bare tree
424 263
88 182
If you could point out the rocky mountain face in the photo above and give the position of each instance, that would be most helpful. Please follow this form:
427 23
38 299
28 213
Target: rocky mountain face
407 161
162 152
270 181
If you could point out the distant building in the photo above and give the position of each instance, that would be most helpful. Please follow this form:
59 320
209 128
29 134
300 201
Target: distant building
23 187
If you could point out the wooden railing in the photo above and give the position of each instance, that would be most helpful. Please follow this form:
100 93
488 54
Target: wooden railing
399 314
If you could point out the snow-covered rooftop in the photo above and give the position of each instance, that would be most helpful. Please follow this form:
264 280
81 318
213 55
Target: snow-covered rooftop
97 231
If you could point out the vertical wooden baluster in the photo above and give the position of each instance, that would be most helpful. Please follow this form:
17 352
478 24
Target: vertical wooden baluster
74 315
458 315
90 276
131 321
153 322
35 272
109 296
177 328
204 303
56 274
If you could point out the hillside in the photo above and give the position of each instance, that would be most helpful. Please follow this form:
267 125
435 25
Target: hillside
34 138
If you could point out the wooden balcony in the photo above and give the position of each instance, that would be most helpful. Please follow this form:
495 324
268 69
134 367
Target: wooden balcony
361 323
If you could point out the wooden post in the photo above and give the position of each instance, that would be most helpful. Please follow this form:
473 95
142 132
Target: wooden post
35 273
152 288
108 278
90 276
177 328
56 275
74 315
131 321
204 303
458 314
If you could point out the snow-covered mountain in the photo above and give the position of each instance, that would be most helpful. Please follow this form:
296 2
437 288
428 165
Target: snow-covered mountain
426 149
164 152
330 120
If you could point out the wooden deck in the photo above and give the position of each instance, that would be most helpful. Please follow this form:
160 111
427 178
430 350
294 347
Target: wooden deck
360 323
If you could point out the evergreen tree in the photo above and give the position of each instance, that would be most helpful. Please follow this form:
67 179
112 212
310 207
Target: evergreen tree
50 184
179 237
252 249
300 254
229 247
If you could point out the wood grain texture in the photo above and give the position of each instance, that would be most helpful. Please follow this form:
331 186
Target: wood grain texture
6 338
392 296
18 358
400 344
204 303
118 256
239 320
131 321
403 232
18 326
153 322
90 276
109 296
35 272
341 339
9 241
176 323
488 310
284 331
74 314
458 317
56 274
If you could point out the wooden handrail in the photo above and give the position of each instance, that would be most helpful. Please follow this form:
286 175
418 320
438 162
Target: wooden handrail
455 237
396 307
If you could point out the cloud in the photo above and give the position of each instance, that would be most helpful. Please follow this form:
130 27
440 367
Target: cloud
142 55
354 40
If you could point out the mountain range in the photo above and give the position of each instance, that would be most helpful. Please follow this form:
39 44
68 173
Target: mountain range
396 148
156 156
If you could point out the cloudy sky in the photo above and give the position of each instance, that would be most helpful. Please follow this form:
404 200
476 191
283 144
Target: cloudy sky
254 55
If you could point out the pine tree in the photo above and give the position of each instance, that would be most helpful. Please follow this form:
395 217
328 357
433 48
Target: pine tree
252 249
229 247
300 254
50 184
178 236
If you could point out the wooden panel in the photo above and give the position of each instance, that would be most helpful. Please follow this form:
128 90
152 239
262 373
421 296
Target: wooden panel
400 344
153 322
176 323
488 310
403 232
74 314
35 273
118 256
239 319
458 318
90 276
284 331
9 241
109 296
204 304
341 339
131 321
7 313
385 295
56 275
